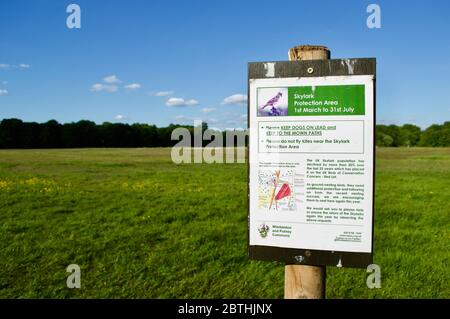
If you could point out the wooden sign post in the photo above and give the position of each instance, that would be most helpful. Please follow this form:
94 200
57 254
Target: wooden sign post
311 165
305 282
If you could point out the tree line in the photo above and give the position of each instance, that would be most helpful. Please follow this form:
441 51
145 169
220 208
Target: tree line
15 133
411 135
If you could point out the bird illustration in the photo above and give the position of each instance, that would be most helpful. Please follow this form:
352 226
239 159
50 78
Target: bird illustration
273 100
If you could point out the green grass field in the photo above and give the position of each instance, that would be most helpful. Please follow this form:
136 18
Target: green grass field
142 227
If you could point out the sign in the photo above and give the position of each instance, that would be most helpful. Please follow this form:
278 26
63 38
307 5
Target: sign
311 161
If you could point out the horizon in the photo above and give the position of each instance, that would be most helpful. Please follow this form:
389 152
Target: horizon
176 62
193 125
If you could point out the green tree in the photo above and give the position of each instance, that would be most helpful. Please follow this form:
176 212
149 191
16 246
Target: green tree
11 133
410 134
445 134
384 140
431 136
50 134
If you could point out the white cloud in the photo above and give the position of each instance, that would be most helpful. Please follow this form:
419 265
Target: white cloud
99 87
243 117
133 86
186 119
21 66
208 109
190 120
177 101
163 93
112 85
235 99
111 79
121 117
3 92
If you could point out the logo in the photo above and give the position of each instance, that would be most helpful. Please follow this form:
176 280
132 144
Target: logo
263 230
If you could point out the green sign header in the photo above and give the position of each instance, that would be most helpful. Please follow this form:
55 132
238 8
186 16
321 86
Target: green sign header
326 100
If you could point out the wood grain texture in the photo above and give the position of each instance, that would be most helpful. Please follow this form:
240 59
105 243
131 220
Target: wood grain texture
336 67
305 282
309 52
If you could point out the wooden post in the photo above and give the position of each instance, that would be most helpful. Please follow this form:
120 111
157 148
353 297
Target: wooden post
305 282
309 52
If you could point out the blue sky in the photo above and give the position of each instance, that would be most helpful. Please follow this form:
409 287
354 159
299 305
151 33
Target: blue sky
197 53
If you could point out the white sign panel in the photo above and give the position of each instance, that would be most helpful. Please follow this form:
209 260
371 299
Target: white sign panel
311 162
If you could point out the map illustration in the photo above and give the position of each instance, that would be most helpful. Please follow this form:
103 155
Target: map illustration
276 191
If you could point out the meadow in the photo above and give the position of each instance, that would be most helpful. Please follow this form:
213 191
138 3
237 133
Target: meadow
140 226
